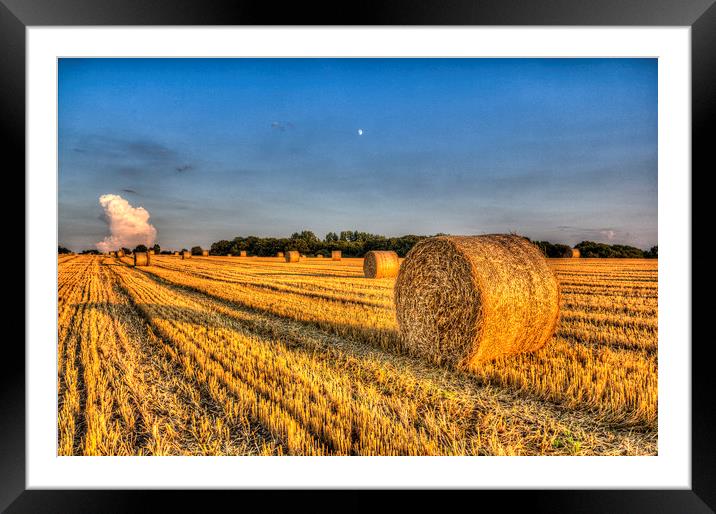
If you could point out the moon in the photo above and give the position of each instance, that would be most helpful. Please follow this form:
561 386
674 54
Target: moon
360 132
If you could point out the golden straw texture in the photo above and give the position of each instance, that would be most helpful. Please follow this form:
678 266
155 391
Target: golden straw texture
336 255
186 255
292 256
576 253
205 253
381 264
242 253
461 300
279 254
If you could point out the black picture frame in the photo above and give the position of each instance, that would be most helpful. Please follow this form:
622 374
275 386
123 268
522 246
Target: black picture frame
700 15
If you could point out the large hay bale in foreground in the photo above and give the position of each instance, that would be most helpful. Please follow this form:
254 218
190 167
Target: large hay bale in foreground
460 300
205 253
142 259
381 264
186 254
279 254
292 256
242 253
336 255
576 254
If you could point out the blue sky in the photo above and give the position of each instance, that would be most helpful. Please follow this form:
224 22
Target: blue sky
557 149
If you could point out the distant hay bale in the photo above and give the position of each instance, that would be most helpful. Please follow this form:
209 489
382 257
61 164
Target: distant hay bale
576 254
279 254
461 300
186 254
205 253
292 256
142 258
150 252
381 264
176 253
120 253
336 255
242 253
319 256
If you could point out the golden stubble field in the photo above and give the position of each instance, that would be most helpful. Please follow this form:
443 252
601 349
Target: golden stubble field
255 356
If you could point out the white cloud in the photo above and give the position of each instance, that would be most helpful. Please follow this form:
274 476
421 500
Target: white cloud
128 226
609 234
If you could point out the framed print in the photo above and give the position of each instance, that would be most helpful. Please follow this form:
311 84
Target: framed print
390 247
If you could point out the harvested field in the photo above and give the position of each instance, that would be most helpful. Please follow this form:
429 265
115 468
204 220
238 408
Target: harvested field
219 356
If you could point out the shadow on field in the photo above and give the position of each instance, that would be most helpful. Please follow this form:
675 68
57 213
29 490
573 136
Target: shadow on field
281 328
318 275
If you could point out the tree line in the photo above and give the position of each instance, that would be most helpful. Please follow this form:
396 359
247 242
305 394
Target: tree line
350 243
357 244
590 249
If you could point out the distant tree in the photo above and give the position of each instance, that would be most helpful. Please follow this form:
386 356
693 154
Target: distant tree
552 250
184 250
222 247
196 250
157 249
62 249
166 252
592 249
126 251
307 236
140 248
331 237
91 251
652 253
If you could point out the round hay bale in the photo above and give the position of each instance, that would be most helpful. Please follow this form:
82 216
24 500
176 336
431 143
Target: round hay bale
381 264
460 300
242 253
319 256
205 253
150 252
279 254
292 256
176 253
186 254
336 255
120 253
576 254
142 259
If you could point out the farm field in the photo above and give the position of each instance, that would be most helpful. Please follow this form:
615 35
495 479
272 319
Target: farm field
255 356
